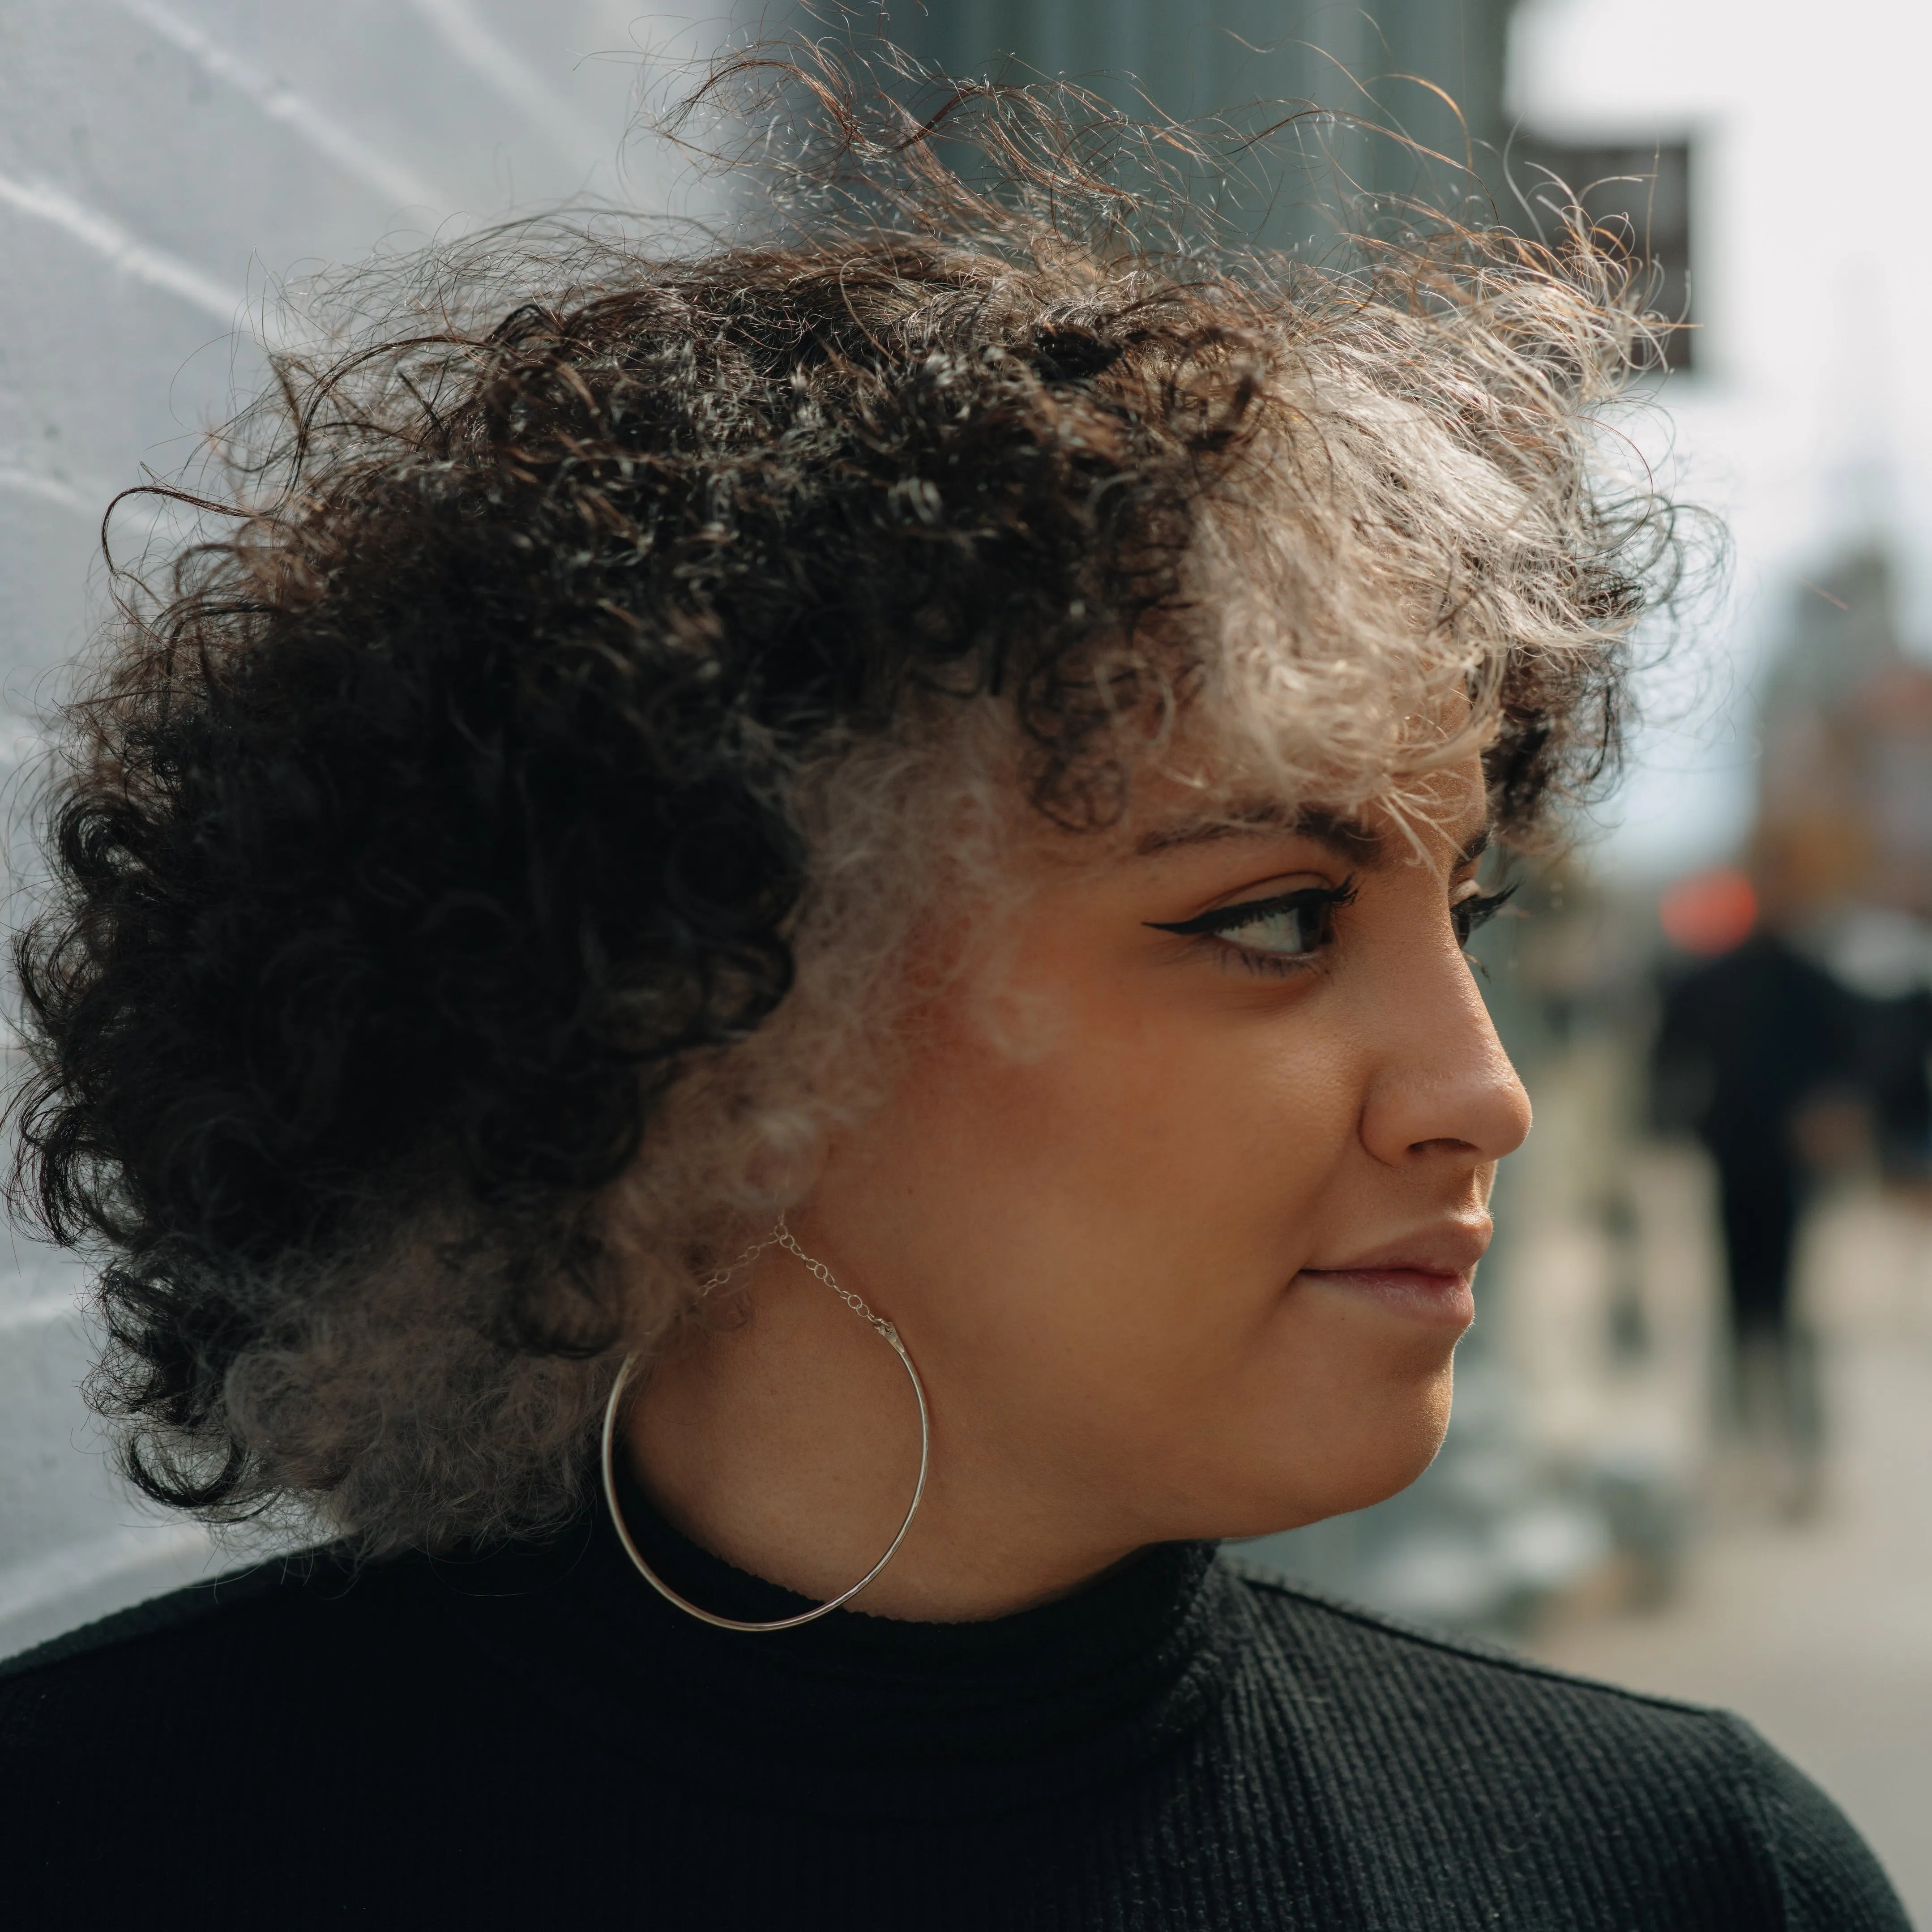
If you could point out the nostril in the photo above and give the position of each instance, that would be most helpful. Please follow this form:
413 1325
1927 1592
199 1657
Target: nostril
1445 1144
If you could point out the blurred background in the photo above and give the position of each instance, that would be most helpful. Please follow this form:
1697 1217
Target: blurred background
1693 1428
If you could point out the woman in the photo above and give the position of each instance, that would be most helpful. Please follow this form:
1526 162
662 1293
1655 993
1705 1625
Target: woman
837 868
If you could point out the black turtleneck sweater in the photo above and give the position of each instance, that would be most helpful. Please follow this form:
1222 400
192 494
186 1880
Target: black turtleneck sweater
534 1739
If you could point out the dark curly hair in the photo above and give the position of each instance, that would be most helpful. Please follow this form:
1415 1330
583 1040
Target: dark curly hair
480 870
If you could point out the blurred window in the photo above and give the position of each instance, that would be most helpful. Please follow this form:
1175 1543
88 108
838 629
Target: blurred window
1637 196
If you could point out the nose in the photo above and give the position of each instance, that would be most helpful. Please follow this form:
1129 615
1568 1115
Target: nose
1442 1084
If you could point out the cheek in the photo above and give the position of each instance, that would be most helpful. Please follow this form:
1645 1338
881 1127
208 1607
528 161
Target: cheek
1102 1245
1091 1235
1139 1195
1187 1142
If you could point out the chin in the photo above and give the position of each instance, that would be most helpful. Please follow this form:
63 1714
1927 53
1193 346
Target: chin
1336 1473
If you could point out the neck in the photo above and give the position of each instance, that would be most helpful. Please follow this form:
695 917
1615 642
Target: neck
788 1443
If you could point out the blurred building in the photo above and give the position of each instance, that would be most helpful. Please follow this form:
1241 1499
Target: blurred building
1428 71
1842 850
1383 62
1388 102
1845 797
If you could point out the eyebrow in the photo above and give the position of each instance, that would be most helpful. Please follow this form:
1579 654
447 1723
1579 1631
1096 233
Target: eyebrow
1353 838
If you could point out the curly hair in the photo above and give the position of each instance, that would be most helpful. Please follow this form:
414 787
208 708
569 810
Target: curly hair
479 874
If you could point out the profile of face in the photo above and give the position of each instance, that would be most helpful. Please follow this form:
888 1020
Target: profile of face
1177 1206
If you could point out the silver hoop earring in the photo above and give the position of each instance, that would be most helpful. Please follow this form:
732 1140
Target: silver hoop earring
780 1237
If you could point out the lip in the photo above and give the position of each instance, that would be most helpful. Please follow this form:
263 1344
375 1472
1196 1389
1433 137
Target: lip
1428 1276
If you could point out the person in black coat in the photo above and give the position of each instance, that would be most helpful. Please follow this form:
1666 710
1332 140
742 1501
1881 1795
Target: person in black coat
763 992
1748 1042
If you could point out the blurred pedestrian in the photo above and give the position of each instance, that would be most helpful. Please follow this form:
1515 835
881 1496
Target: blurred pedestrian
1751 1043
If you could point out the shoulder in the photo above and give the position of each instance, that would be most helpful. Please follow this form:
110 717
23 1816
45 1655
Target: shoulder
309 1701
1675 1785
1352 1658
233 1594
309 1693
207 1665
1314 1628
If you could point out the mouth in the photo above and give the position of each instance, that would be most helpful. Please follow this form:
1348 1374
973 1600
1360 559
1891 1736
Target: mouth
1430 1279
1420 1295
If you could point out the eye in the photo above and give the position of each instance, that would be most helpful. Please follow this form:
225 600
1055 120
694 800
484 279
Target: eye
1290 931
1477 908
1274 932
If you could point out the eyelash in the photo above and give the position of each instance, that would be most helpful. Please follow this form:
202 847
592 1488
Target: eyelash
1466 915
1477 910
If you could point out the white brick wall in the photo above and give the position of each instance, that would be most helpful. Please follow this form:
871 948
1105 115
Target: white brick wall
158 158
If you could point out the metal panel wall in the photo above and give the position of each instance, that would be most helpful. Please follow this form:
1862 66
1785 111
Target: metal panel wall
160 160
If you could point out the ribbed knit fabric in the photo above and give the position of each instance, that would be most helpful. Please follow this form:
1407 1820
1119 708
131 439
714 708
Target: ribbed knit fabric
534 1740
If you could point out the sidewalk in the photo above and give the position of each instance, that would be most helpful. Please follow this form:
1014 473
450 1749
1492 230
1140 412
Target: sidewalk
1821 1634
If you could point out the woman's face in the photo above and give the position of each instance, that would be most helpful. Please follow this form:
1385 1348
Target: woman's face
1178 1205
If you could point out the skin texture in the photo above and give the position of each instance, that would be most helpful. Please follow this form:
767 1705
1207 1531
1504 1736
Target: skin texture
1140 1209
